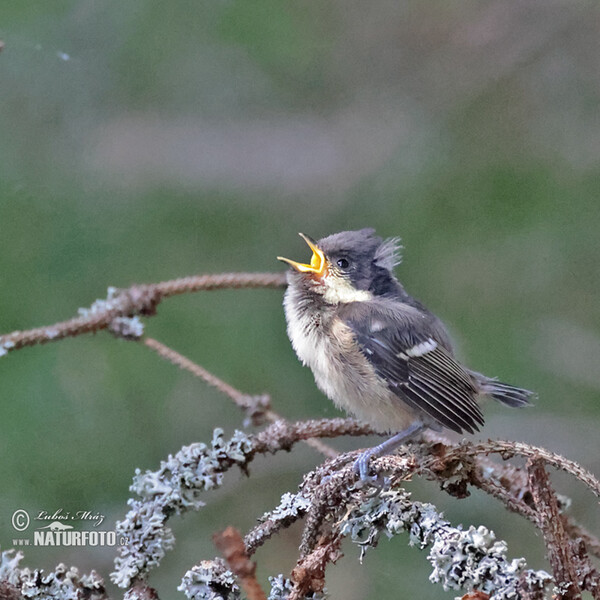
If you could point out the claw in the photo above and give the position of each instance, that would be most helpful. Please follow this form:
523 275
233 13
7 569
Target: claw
361 466
377 483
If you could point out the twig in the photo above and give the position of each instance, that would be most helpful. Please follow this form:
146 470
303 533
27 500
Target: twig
135 300
331 493
558 546
284 515
244 401
231 545
509 449
282 435
256 407
509 484
512 502
309 573
176 487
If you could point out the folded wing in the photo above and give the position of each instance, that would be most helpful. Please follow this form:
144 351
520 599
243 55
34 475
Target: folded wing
417 367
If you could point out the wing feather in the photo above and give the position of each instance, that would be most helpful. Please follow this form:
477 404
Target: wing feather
430 397
454 400
417 364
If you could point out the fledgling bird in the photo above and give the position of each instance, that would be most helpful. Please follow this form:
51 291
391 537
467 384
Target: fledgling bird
374 350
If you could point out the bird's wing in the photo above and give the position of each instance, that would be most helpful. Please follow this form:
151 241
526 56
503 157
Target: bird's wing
405 348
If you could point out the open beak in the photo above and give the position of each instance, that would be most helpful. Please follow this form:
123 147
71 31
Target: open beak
318 262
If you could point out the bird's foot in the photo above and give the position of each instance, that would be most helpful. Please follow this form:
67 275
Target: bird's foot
361 466
377 482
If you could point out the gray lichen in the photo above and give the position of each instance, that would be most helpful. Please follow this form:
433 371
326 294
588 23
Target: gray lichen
290 506
6 346
102 304
173 489
281 588
64 583
471 559
129 328
210 580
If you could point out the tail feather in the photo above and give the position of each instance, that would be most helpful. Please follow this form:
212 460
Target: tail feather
507 394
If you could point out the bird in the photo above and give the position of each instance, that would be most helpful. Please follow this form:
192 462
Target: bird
377 352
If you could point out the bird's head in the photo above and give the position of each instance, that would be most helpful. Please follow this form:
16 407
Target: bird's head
348 266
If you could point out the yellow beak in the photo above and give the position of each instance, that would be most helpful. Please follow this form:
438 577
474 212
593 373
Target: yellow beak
318 262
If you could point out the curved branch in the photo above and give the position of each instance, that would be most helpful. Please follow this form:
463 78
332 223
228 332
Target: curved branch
136 300
509 449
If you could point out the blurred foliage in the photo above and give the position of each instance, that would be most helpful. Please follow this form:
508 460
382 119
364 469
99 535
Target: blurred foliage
145 141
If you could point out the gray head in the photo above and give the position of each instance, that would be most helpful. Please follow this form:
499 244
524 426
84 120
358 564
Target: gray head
348 265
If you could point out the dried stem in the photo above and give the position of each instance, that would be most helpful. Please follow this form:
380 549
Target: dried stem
244 401
309 573
508 449
136 300
231 545
558 545
256 407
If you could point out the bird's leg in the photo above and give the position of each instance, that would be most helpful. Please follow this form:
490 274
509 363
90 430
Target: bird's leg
361 466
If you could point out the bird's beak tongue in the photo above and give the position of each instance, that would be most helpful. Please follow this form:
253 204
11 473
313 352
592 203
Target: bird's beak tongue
318 262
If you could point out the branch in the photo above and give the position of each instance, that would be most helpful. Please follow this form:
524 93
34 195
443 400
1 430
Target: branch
332 506
256 407
327 496
569 561
508 449
176 487
62 583
136 300
231 545
309 573
471 559
510 484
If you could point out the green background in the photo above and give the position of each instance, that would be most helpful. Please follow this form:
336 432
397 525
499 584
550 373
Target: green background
144 141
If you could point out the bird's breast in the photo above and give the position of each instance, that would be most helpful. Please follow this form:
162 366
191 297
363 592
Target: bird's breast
327 345
307 331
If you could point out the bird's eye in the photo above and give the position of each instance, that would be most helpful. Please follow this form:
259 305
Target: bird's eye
342 263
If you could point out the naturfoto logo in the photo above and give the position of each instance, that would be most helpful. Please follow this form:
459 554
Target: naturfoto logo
57 528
